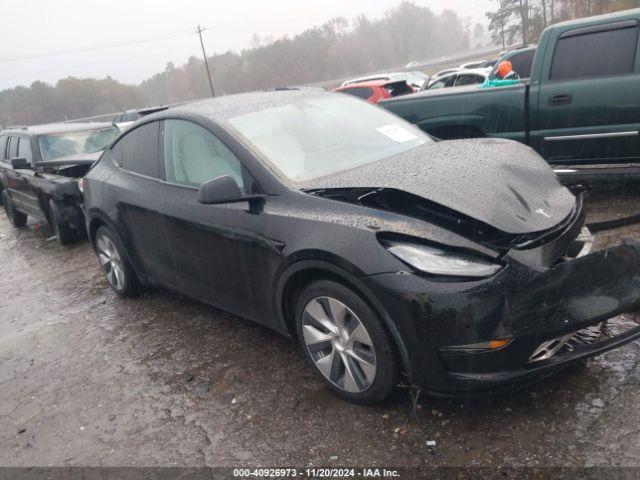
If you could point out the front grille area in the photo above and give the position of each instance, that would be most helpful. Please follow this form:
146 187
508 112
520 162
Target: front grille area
587 336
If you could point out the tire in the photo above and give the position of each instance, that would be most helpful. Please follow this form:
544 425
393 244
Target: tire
63 232
114 263
17 219
355 356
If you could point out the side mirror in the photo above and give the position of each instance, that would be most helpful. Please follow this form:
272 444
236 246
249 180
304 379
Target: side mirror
223 189
20 163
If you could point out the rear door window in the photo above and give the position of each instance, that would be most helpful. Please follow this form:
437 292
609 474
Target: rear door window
360 92
397 89
467 79
595 54
438 84
138 150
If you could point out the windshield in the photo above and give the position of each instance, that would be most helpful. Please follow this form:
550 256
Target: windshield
321 136
72 143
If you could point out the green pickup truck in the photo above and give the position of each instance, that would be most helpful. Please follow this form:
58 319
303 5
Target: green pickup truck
580 108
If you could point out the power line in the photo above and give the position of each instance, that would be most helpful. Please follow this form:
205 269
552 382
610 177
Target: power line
167 36
98 47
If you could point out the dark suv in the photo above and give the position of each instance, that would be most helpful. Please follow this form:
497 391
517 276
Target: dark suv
333 221
39 169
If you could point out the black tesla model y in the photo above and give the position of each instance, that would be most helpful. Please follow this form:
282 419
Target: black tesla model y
463 265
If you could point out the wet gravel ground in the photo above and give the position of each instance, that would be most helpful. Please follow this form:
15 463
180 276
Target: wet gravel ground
87 378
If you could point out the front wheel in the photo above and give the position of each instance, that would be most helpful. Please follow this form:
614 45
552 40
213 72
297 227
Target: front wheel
345 342
17 219
114 264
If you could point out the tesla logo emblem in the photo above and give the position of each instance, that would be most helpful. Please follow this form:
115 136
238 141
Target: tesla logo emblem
543 213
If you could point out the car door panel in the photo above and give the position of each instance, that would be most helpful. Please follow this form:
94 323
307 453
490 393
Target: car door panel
15 182
31 202
138 205
139 191
25 190
221 256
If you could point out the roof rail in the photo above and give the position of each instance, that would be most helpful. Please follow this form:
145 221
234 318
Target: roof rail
17 127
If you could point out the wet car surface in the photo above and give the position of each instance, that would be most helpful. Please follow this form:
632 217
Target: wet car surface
88 378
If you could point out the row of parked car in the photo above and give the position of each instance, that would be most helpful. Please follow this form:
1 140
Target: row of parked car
387 254
381 86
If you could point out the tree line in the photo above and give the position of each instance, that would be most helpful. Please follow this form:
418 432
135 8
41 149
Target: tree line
335 49
516 21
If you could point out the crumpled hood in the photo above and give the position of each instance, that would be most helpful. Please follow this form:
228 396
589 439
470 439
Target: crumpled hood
499 182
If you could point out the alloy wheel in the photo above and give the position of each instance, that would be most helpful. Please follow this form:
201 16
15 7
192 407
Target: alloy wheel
339 344
110 262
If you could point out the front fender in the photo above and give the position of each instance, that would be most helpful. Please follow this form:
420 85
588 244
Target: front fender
357 284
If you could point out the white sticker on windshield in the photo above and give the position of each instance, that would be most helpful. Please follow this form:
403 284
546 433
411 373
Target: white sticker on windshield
397 133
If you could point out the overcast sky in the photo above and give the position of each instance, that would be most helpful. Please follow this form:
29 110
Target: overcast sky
52 39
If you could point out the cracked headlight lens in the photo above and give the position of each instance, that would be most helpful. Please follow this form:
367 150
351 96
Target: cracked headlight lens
437 261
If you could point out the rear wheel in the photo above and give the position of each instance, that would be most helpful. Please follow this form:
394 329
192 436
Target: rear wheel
17 219
63 232
345 343
114 264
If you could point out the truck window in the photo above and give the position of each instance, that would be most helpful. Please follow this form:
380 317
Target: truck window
522 62
137 151
596 54
24 149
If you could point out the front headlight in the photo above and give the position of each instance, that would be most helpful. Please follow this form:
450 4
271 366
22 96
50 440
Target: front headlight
437 261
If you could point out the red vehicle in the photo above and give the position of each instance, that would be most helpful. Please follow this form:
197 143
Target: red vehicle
376 90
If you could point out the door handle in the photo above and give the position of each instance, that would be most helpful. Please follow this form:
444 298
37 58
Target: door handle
563 99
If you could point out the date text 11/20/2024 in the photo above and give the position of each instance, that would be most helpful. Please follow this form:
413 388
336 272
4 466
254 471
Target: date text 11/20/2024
315 473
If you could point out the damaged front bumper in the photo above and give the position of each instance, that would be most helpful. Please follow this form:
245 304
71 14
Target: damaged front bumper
530 305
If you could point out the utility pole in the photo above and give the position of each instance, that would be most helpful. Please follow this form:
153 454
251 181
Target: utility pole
502 14
206 62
